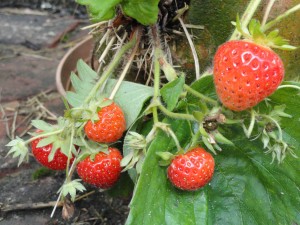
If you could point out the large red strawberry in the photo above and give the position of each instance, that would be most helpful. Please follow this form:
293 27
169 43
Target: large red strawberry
192 170
110 126
245 73
41 154
103 171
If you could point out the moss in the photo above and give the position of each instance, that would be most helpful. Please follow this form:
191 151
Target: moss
41 173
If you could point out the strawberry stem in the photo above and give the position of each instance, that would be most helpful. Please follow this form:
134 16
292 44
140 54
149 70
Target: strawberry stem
252 122
195 138
288 86
114 63
247 16
70 150
127 66
156 72
43 135
199 95
280 17
181 116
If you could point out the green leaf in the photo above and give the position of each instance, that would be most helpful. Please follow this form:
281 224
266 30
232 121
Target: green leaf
246 187
46 141
41 125
71 188
82 84
100 10
144 11
18 149
172 91
123 188
130 97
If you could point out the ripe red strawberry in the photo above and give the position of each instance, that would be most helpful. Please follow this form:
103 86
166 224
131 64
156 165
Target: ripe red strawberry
110 126
191 170
246 73
104 171
41 154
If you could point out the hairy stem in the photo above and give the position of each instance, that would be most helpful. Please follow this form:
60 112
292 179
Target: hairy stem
157 52
156 85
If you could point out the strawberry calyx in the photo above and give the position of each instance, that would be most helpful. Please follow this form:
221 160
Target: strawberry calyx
91 149
267 128
136 146
255 33
88 111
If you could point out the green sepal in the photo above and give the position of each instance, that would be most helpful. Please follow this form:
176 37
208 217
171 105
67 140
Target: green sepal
71 188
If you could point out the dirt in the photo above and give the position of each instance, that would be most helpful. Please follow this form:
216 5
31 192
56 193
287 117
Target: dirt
28 59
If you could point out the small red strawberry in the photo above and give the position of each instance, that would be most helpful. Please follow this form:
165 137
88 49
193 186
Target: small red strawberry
191 170
110 126
103 171
246 73
41 154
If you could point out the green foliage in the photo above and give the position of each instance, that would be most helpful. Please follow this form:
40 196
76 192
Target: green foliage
172 91
41 173
82 84
246 188
19 149
70 188
256 33
144 11
100 10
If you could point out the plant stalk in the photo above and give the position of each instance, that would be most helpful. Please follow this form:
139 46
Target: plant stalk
267 12
127 66
181 116
114 63
280 17
199 95
247 16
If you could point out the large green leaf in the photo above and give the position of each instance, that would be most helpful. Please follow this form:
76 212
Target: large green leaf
144 11
172 91
82 84
246 188
130 97
100 10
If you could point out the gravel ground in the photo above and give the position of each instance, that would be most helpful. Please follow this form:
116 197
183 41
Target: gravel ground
61 7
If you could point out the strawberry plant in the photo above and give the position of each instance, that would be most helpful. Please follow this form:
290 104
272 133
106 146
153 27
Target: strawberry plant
220 148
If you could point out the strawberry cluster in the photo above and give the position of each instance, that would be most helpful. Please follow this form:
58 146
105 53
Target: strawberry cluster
101 168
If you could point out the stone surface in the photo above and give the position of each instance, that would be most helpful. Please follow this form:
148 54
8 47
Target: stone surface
33 30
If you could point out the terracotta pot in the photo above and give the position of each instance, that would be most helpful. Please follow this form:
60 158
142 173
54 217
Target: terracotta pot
82 50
